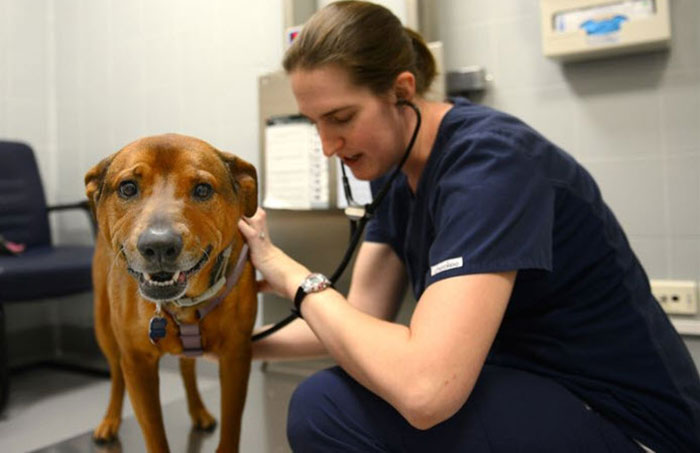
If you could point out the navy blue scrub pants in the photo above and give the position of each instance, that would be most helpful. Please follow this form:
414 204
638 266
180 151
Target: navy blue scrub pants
508 411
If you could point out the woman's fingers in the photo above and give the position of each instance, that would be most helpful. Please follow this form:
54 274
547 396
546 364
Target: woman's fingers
265 287
254 227
247 230
262 251
280 273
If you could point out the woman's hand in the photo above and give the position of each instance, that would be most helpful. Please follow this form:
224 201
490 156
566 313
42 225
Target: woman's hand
281 274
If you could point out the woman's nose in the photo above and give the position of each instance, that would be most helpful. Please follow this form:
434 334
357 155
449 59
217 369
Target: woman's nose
331 143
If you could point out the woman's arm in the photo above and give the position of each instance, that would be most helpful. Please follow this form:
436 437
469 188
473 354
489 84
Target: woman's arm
378 281
378 296
425 370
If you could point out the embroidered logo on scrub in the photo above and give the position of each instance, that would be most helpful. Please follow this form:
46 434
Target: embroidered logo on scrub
452 263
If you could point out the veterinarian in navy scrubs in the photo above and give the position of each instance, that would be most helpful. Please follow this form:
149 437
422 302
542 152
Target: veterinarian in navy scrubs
535 328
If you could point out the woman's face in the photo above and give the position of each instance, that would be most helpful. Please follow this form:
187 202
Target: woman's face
364 130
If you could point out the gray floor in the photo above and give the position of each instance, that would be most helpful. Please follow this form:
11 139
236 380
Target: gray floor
54 410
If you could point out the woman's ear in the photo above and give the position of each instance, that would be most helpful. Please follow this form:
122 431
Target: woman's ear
405 86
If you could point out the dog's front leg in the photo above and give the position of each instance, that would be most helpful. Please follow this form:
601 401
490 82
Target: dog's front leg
141 376
234 369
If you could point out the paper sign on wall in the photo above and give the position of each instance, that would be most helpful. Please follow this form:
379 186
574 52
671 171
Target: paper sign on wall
296 171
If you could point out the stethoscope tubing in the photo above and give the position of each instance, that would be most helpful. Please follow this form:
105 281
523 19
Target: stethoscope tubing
357 227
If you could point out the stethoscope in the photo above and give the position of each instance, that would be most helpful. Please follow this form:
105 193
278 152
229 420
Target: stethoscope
358 215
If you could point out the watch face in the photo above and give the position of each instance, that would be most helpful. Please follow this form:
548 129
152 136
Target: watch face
315 282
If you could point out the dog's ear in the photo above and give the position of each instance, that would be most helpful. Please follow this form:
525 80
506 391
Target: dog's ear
94 182
245 182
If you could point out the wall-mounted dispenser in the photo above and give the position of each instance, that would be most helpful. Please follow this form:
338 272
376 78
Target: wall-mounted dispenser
585 29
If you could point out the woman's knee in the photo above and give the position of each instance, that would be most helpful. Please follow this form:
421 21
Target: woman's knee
330 411
312 407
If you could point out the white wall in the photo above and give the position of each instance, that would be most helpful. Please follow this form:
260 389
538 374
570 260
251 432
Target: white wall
79 79
26 79
134 68
633 121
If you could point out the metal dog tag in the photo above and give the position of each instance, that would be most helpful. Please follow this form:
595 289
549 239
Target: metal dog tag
156 329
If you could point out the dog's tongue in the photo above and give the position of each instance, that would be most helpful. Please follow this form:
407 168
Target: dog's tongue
181 278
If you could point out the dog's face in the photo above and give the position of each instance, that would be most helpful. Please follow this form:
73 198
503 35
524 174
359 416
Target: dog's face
169 205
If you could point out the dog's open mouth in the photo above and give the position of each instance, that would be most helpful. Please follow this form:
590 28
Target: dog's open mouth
164 285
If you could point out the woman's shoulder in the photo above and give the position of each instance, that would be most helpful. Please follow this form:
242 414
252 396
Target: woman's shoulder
477 144
467 120
472 132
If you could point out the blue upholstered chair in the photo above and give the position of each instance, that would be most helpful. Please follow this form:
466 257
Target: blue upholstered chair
43 270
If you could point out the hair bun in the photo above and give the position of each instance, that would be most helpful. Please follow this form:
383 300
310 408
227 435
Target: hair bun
368 41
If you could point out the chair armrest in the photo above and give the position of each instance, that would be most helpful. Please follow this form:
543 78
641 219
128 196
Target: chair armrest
83 205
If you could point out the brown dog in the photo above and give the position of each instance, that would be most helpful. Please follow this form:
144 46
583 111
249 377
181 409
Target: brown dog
168 278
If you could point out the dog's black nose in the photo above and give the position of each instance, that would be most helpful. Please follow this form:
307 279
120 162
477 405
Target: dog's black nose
160 245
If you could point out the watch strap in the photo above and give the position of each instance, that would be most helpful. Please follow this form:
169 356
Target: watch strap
302 292
298 297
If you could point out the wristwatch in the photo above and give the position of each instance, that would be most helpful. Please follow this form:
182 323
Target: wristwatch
312 284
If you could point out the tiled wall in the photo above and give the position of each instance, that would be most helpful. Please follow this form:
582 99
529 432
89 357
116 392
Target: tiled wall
139 67
79 79
633 121
26 80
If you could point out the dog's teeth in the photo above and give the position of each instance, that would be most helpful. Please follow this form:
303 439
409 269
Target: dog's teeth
147 277
176 276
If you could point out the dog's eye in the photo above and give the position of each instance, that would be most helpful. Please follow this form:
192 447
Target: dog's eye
128 189
203 191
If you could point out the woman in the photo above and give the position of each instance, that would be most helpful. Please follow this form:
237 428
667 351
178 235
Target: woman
535 328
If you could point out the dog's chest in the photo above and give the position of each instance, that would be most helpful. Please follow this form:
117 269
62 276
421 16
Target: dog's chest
171 330
183 315
186 336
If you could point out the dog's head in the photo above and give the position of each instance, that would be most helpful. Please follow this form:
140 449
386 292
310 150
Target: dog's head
169 205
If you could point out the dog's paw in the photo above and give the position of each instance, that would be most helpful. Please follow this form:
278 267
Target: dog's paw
107 431
204 421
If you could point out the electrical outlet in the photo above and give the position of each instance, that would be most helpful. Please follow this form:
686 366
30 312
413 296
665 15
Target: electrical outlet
677 297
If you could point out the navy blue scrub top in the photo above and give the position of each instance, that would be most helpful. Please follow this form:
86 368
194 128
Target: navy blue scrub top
497 196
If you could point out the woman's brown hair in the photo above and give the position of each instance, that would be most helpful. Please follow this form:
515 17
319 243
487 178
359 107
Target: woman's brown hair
368 41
